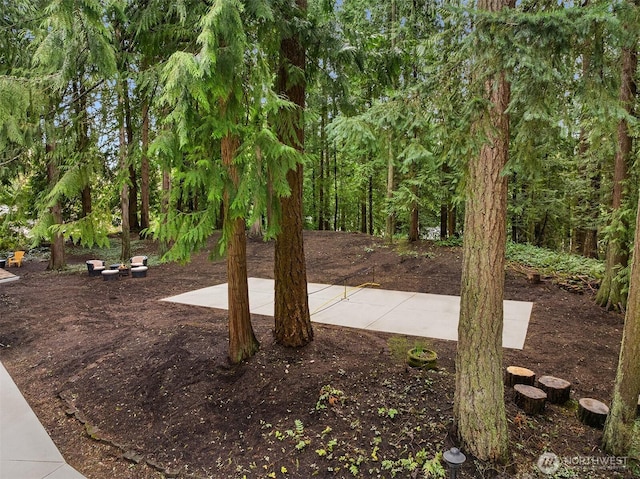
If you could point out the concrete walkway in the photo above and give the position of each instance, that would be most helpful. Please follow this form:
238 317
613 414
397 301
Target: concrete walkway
372 308
26 450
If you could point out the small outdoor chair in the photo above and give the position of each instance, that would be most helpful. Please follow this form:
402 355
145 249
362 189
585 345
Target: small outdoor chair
16 259
138 261
95 267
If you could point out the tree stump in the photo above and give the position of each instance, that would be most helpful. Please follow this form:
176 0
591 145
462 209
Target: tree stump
557 389
529 398
517 375
592 412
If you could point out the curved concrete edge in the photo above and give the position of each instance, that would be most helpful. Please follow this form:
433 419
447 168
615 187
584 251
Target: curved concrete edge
26 450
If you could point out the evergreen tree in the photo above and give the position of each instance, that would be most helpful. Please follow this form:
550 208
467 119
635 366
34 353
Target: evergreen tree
479 410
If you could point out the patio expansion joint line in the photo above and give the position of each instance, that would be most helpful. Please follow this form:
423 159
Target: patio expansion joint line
413 294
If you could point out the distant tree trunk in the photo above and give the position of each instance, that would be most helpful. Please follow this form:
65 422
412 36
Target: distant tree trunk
618 430
479 410
242 340
371 228
164 205
336 209
291 310
363 213
443 221
57 259
611 293
144 168
413 223
390 224
452 212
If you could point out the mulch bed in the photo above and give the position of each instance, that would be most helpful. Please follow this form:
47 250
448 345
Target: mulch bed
131 387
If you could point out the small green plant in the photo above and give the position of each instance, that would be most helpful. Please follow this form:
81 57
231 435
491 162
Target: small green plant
329 396
388 412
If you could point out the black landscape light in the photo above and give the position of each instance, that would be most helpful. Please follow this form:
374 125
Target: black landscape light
454 459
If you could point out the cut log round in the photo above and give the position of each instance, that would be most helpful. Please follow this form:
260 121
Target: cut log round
518 375
592 412
529 398
557 389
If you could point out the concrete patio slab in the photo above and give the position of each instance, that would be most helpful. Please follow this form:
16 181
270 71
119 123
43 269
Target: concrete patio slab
6 276
400 312
26 450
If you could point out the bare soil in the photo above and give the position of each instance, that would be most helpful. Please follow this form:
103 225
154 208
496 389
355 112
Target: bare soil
131 387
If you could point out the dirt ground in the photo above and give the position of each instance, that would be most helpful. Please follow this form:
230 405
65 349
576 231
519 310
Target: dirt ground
131 387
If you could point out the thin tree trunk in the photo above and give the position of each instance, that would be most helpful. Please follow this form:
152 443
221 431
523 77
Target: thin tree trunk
371 228
443 221
57 259
618 430
164 206
479 409
390 224
291 310
83 140
242 340
144 168
611 294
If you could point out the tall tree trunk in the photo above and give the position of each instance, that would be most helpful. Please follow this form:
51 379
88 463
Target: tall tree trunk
611 294
57 259
132 188
479 409
292 318
242 340
144 168
618 430
125 252
82 128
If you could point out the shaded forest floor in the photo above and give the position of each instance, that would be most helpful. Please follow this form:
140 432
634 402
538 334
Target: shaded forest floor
131 387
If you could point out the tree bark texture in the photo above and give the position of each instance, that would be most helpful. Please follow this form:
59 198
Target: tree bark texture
619 426
242 340
144 168
57 260
611 295
125 252
479 409
291 309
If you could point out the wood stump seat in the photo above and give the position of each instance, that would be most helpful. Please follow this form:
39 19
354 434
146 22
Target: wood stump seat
518 375
529 398
592 412
558 390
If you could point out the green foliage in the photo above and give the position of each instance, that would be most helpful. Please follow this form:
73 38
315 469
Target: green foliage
553 262
329 396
